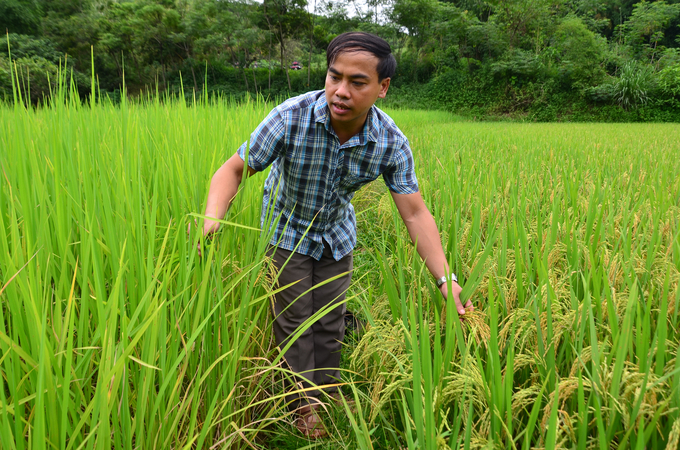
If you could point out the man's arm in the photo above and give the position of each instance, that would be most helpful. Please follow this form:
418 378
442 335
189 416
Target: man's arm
423 230
223 188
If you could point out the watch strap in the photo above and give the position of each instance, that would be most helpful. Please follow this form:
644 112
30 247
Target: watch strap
445 278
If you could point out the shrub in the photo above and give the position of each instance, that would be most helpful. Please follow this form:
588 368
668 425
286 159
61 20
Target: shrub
484 40
669 81
5 79
670 57
24 46
644 30
518 66
37 62
37 77
634 85
602 93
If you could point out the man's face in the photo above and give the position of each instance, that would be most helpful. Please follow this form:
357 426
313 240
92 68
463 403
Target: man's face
352 87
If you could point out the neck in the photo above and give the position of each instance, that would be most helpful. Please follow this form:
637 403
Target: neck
345 131
344 136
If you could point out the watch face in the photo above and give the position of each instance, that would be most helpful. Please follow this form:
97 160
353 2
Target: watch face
445 278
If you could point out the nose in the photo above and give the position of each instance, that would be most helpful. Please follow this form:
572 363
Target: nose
343 89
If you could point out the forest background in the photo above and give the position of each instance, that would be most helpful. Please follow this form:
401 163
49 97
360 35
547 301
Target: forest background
539 60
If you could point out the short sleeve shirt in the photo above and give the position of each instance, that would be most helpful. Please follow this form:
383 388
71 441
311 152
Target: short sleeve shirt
313 178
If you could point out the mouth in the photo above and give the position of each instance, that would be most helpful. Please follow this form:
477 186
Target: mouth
340 107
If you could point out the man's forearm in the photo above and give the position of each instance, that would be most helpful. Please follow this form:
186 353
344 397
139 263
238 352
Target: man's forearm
423 231
223 188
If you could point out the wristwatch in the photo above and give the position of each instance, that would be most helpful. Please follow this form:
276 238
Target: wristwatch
443 279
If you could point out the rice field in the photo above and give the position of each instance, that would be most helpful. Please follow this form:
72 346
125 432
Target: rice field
114 333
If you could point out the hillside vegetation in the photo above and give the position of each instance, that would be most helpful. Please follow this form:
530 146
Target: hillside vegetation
540 60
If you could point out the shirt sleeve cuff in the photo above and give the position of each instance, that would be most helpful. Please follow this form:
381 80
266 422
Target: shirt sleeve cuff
253 163
404 189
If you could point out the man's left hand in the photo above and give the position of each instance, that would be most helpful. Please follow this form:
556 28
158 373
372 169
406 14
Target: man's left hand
456 290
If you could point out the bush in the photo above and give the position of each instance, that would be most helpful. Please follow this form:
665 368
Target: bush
5 79
37 78
24 46
464 90
603 93
519 66
669 58
37 62
669 81
634 86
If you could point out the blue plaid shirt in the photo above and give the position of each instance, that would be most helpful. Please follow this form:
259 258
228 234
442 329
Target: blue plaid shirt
313 177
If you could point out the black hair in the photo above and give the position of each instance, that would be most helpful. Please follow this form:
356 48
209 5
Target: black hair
356 41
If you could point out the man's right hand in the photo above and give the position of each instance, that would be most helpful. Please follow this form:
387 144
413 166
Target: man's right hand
223 187
210 227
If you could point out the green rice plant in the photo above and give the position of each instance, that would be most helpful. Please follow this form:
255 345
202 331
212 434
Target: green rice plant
575 293
114 333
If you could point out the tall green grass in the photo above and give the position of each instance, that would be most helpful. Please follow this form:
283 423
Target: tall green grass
114 333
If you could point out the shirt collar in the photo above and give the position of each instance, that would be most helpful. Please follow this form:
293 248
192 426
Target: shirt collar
368 133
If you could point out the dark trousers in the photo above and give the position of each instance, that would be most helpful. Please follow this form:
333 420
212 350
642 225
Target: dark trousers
315 355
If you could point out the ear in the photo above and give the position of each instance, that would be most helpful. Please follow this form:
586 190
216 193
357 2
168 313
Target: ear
384 85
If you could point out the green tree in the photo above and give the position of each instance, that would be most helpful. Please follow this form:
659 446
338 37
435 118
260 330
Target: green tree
448 33
146 36
37 62
75 34
209 26
118 39
20 16
285 19
646 27
579 53
157 27
197 24
484 40
600 16
26 46
527 24
416 16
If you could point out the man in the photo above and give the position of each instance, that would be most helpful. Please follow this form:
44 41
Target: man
323 146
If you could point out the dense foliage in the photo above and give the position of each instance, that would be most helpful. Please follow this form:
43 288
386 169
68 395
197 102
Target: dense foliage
539 59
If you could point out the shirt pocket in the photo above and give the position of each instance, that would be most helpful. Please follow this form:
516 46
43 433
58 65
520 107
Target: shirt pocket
353 181
358 169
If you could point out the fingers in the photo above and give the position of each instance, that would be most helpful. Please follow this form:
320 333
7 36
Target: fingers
198 244
459 305
210 226
456 290
189 226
